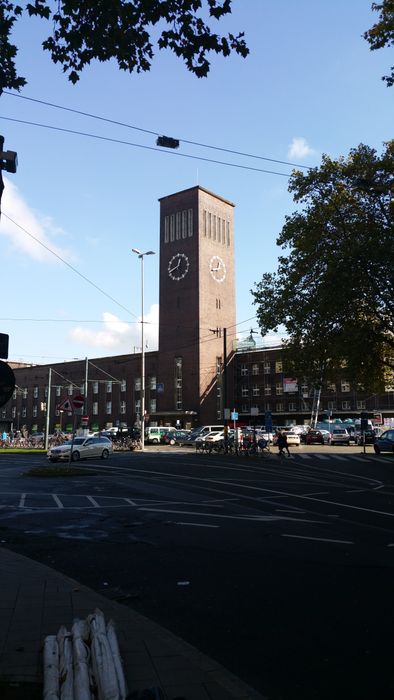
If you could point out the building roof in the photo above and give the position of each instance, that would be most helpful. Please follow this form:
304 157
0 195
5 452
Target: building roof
198 187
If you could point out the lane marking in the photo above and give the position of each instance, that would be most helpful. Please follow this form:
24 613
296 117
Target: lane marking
318 539
22 500
196 524
93 501
57 501
128 500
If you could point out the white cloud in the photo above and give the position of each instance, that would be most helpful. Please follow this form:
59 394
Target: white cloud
40 226
118 336
299 148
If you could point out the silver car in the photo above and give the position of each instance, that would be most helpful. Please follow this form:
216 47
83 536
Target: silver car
340 436
82 448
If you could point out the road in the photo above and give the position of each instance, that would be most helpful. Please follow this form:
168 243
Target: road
280 569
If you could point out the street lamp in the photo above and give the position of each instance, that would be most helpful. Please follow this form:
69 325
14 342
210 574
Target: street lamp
142 415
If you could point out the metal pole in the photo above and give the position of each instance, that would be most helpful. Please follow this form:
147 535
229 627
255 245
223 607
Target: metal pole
48 407
85 403
142 358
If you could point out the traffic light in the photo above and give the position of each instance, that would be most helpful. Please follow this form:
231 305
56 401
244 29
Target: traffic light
4 339
7 383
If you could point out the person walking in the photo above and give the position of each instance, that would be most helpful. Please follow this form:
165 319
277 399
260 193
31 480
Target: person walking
282 444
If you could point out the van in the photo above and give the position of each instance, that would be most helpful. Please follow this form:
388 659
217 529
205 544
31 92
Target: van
154 434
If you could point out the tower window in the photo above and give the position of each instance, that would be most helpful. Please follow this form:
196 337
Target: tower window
184 224
166 229
190 222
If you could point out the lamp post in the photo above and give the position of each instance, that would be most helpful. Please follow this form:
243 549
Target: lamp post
142 416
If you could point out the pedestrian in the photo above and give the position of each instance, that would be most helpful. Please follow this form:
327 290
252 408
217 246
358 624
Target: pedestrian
282 444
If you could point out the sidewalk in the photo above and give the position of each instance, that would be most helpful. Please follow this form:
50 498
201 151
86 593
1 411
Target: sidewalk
36 600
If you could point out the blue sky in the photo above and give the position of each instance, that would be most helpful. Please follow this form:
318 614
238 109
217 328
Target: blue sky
309 86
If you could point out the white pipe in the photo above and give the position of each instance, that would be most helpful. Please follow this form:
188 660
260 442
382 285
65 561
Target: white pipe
51 668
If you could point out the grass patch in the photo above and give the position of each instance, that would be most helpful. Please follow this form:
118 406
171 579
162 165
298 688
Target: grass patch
60 471
22 450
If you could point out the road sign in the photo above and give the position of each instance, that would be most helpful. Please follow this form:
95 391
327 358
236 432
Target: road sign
234 415
65 405
78 401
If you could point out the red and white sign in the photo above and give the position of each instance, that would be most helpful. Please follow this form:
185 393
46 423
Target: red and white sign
66 405
78 401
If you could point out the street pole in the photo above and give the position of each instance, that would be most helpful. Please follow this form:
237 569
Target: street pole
48 408
142 394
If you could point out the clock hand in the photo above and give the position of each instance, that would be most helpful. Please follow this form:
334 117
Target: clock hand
176 266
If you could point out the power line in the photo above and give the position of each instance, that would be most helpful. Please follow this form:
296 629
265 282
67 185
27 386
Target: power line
153 133
147 148
70 266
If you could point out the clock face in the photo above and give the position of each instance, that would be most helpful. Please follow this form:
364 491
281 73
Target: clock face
217 268
178 267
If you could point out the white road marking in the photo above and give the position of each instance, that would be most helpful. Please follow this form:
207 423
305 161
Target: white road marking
132 503
57 501
93 501
318 539
22 500
195 524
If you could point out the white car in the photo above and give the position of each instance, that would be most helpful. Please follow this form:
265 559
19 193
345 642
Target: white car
293 439
83 448
213 436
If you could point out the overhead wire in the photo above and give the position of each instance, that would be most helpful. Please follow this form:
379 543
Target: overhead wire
153 133
148 148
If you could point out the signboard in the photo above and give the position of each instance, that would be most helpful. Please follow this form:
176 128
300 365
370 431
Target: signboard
226 414
290 386
78 401
234 415
254 411
66 405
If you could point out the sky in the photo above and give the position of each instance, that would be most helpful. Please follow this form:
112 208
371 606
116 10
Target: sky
77 205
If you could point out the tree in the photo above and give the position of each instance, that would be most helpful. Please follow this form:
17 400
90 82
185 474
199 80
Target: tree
382 33
333 290
84 30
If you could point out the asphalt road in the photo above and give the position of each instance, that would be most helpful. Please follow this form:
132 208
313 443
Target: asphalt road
281 569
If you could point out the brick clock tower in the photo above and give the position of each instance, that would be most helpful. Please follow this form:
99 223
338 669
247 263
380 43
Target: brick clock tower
197 301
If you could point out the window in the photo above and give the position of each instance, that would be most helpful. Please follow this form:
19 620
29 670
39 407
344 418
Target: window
152 406
184 224
109 387
244 370
152 383
228 232
331 405
268 406
245 391
178 223
255 369
24 392
178 383
346 405
166 229
137 406
58 390
13 412
137 384
214 227
82 389
123 385
267 391
209 224
267 368
278 366
244 408
46 392
108 407
70 389
361 404
123 407
331 386
279 407
345 385
3 412
14 394
24 412
35 392
190 222
35 411
219 229
256 390
172 227
95 408
279 389
292 406
304 391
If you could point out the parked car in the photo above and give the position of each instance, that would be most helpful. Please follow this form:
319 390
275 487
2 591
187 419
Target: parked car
174 437
365 438
82 448
314 437
213 436
385 442
36 437
293 439
340 436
